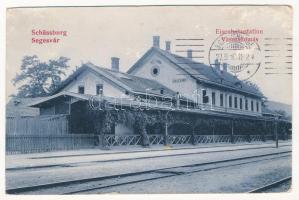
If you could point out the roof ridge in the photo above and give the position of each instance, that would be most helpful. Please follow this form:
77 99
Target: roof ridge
138 77
109 71
194 61
174 56
124 73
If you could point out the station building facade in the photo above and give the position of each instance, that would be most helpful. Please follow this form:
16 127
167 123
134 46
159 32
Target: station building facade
211 87
161 86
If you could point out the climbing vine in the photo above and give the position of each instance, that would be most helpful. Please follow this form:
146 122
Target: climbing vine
140 120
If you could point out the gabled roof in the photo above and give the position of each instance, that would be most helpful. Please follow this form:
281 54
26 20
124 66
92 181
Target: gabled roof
127 82
201 72
60 94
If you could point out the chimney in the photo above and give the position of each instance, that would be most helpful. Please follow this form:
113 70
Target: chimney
156 41
167 46
189 53
217 64
225 67
115 64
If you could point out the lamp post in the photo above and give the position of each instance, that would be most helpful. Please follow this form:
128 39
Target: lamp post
166 127
276 131
232 133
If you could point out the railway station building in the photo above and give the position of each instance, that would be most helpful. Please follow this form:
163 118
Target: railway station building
163 98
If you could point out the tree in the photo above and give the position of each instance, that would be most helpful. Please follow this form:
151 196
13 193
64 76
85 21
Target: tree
284 114
38 78
253 85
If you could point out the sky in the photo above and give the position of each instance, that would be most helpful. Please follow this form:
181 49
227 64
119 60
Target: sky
95 34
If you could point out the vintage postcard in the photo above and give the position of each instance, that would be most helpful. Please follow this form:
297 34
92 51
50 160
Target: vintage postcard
170 99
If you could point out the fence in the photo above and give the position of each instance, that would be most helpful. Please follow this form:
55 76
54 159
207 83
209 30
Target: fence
156 139
204 139
115 140
43 133
179 139
16 144
40 125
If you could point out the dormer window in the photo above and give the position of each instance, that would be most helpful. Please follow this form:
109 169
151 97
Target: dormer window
162 91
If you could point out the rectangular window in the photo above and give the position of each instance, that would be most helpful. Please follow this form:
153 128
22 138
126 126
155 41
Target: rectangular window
236 102
81 89
213 98
205 98
230 101
246 104
257 106
221 99
241 103
251 105
99 89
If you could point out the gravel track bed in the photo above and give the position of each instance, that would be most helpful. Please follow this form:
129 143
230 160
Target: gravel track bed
236 179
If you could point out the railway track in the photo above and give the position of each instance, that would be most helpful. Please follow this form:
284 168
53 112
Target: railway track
98 183
271 185
135 158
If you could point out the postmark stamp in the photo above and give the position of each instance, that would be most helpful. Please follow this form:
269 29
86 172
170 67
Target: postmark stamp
236 52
